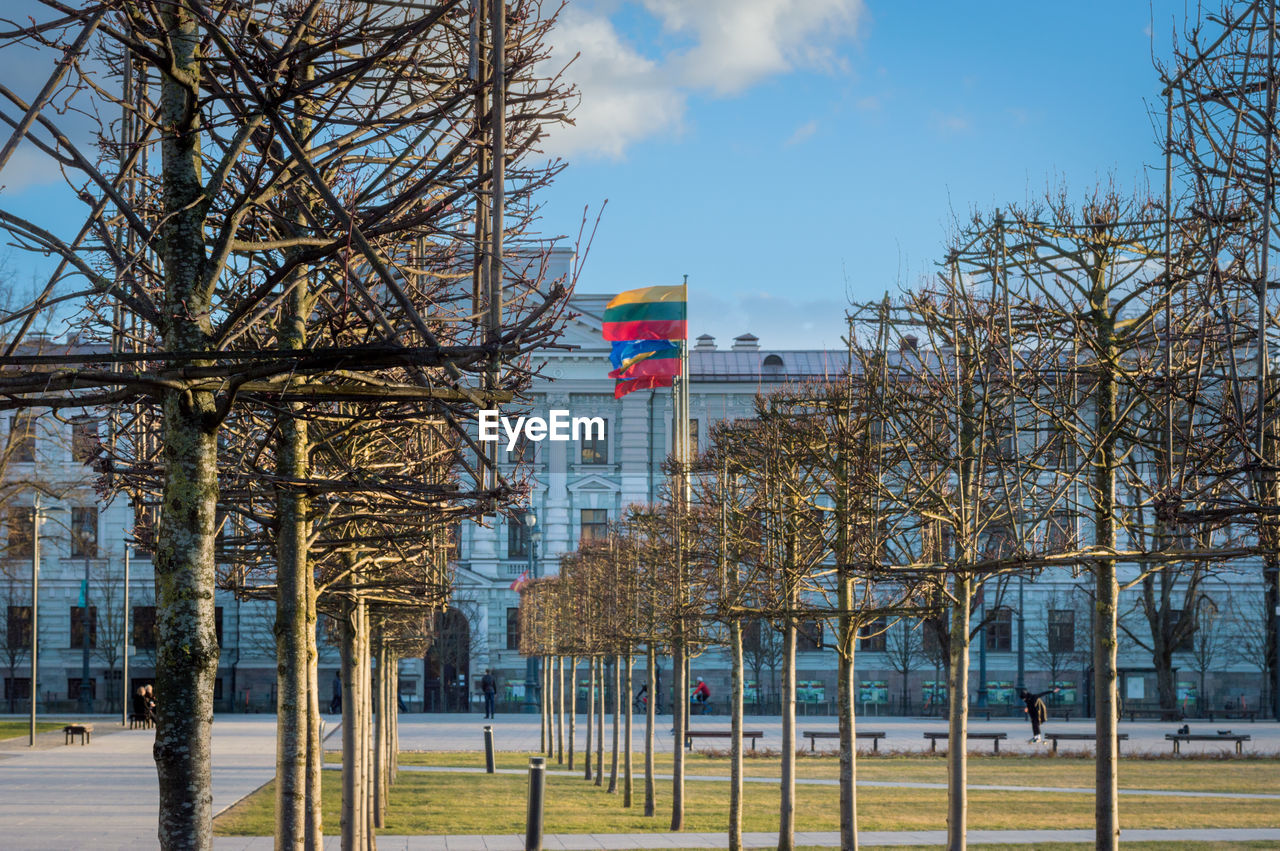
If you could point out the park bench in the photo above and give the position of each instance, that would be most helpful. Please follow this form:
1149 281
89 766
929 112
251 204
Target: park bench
84 731
1235 713
690 735
1081 737
874 736
1179 738
1157 714
995 738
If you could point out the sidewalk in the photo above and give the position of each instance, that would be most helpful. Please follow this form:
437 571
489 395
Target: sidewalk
866 839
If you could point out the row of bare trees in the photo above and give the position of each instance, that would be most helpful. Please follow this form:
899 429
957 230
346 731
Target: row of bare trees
293 278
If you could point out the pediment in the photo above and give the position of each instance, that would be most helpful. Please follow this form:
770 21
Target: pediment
594 483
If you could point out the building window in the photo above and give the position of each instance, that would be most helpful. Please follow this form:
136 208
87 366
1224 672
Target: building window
84 532
18 628
871 636
595 524
22 438
84 439
73 688
513 629
22 527
1062 631
693 438
999 630
517 539
17 688
144 627
595 444
217 624
772 366
522 451
1186 644
77 626
808 636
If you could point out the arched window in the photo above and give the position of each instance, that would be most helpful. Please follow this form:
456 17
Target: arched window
772 365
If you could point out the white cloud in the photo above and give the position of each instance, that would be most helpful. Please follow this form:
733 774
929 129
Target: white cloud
804 131
632 91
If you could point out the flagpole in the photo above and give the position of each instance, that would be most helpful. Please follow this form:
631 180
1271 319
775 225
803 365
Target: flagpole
684 406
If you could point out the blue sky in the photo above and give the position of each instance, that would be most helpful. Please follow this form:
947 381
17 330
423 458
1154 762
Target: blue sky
790 154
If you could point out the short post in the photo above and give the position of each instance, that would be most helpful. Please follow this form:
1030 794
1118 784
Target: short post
488 749
537 787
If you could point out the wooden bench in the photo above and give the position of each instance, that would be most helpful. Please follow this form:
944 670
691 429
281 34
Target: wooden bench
995 738
1157 714
1081 737
1179 738
874 736
690 735
84 731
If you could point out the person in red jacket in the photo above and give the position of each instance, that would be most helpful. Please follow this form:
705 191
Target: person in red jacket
702 693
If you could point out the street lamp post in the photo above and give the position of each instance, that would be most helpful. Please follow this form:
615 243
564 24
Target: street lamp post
530 520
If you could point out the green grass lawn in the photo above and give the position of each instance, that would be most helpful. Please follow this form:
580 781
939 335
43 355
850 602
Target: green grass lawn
1238 774
19 729
428 803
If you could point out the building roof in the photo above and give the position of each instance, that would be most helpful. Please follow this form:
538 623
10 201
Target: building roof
750 365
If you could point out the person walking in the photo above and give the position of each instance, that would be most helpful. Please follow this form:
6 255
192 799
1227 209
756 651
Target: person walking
1036 711
489 688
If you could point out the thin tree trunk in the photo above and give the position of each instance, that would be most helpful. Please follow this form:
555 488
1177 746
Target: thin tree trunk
573 706
600 726
1106 792
847 644
544 707
735 747
352 829
315 740
560 710
366 729
627 779
679 708
186 645
379 731
591 713
787 804
650 802
617 712
958 726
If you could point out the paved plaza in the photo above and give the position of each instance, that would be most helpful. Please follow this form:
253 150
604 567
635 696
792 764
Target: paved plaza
103 796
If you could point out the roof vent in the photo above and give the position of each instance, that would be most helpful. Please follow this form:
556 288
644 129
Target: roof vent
706 343
746 343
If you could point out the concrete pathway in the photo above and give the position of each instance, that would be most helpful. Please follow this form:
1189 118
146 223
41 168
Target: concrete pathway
866 839
105 795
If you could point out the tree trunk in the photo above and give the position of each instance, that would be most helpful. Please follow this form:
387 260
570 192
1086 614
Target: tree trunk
1106 793
679 711
379 731
186 644
353 832
617 712
787 802
560 710
600 726
958 726
650 705
315 741
628 780
591 712
846 644
573 706
735 727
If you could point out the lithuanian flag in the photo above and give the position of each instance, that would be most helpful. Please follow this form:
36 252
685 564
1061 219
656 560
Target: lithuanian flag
634 358
650 313
625 386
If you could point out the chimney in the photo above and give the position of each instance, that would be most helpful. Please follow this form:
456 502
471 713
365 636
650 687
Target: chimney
746 343
706 343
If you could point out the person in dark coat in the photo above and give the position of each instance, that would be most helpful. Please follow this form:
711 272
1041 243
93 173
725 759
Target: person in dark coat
335 702
1036 711
140 710
489 687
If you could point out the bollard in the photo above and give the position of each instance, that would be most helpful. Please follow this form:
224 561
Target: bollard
488 749
537 786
